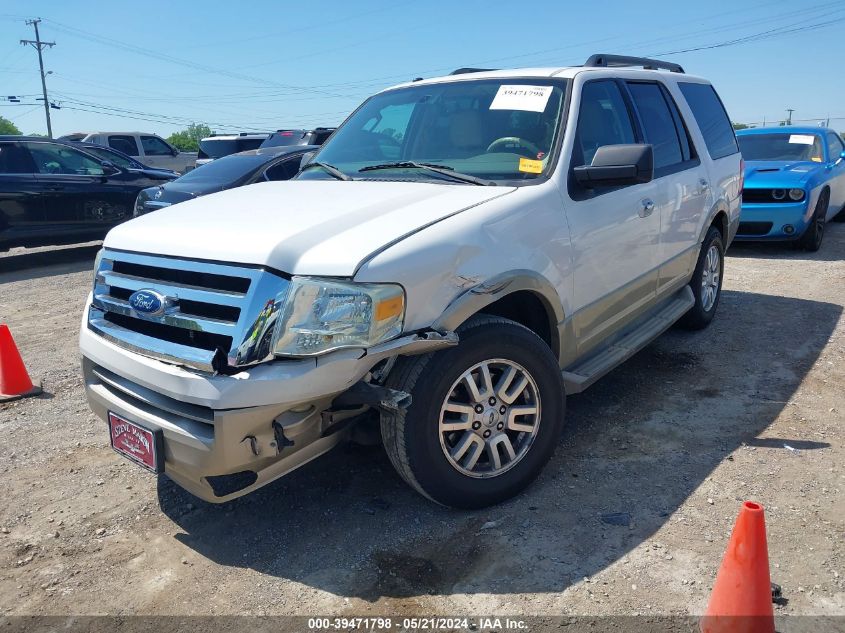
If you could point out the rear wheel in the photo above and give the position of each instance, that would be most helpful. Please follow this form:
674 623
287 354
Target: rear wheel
706 282
814 234
485 417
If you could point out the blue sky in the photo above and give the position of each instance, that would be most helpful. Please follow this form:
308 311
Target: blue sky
261 65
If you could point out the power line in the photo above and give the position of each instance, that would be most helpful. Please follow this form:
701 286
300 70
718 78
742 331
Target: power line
39 46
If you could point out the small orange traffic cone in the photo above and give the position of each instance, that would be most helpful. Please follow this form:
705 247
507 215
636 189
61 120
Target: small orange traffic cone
741 601
14 381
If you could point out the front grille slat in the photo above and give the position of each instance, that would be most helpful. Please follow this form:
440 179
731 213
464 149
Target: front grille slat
183 278
179 320
211 310
194 293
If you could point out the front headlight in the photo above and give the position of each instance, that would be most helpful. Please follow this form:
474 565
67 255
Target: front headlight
97 260
796 194
139 204
321 315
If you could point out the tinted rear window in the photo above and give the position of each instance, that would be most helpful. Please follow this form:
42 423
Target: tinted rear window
712 119
219 147
288 137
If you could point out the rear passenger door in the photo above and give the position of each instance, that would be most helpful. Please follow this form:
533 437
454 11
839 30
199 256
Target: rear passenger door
683 194
615 231
124 143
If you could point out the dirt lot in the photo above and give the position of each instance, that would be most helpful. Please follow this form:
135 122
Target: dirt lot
751 408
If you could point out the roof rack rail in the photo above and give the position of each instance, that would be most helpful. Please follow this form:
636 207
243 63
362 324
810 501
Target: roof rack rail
464 71
603 61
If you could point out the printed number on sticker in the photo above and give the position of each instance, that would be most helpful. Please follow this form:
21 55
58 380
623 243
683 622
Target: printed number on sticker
527 98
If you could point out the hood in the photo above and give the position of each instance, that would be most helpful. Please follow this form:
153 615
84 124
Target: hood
779 174
158 174
306 227
176 191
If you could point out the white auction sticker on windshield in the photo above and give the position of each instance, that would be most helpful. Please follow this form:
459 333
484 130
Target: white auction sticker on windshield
802 139
527 98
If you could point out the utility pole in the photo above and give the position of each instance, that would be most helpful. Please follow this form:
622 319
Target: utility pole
789 116
38 45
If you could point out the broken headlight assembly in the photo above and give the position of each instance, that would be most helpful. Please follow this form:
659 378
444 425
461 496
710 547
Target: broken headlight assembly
321 315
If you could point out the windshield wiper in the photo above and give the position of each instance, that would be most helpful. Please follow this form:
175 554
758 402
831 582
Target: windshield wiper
331 169
443 170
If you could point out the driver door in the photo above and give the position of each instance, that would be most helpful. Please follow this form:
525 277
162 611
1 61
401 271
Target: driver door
159 154
615 231
78 197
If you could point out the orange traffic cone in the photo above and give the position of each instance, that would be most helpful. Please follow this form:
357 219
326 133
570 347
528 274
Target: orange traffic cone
741 601
14 381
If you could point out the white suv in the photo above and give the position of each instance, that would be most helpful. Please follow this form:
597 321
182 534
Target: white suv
233 338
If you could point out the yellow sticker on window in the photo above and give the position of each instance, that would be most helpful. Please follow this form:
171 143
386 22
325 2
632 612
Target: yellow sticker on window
531 166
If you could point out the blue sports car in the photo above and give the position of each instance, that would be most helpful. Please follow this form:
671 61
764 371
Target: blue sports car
794 183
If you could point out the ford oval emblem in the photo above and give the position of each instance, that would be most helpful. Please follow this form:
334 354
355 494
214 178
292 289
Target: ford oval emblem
147 302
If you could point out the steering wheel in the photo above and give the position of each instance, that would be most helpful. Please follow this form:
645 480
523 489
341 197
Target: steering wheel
522 146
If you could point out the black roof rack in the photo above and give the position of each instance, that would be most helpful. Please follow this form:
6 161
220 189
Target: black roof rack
602 61
464 71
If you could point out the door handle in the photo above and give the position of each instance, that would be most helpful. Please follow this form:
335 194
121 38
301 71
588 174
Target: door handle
647 208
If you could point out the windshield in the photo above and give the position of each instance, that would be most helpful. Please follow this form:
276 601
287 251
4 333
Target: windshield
781 146
225 170
118 159
499 130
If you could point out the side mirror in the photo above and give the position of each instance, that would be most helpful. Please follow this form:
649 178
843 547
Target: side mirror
306 158
617 166
174 151
109 168
842 155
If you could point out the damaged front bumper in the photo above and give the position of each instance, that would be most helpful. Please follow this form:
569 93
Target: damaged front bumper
225 436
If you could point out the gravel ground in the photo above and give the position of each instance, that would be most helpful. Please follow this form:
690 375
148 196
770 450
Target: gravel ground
673 440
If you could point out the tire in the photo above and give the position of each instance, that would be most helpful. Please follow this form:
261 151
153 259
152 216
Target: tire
706 287
814 234
415 439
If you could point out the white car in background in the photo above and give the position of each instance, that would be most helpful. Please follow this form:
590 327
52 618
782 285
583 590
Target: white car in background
149 149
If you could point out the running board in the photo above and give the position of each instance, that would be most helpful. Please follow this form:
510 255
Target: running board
578 377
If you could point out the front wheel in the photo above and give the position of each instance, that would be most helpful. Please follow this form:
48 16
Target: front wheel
485 416
706 282
814 234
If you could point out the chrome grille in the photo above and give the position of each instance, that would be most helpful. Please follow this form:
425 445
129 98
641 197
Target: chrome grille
216 317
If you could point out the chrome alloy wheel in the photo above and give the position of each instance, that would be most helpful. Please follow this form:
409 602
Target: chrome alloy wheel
490 417
710 278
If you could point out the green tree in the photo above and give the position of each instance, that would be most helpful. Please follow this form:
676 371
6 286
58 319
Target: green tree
7 127
740 126
188 140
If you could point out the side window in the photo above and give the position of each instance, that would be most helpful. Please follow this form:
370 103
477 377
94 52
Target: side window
712 119
658 124
125 144
320 137
603 119
14 159
59 159
835 146
154 146
285 170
